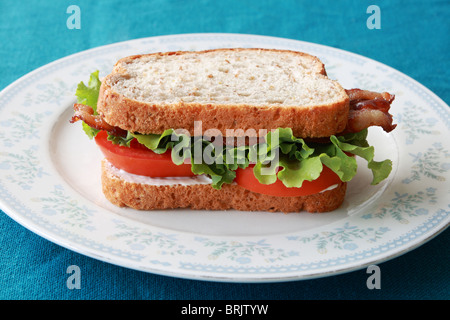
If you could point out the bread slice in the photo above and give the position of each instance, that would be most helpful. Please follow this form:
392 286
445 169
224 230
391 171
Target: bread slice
125 190
225 89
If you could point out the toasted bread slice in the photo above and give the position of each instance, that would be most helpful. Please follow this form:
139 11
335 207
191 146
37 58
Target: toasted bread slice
126 190
247 89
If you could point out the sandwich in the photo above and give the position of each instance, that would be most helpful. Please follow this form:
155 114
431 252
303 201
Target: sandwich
243 129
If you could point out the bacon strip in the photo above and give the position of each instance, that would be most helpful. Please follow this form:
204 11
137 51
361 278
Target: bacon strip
86 114
369 108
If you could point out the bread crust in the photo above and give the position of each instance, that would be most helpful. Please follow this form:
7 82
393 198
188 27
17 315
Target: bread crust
137 116
138 196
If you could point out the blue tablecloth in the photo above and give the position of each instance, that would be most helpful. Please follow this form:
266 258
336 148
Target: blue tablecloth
414 38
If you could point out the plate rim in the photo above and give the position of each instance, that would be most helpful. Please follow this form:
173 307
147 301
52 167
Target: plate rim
67 243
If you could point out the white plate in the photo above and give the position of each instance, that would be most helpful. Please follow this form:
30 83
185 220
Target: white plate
50 180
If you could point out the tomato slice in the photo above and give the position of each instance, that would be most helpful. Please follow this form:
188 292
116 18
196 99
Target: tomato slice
246 179
140 160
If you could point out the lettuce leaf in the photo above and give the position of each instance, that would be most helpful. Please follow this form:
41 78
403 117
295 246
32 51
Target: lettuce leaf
183 149
298 161
282 156
88 95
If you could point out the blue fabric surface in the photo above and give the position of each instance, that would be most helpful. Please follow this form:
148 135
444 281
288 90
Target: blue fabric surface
414 38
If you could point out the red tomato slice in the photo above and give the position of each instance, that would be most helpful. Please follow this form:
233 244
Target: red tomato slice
246 179
140 160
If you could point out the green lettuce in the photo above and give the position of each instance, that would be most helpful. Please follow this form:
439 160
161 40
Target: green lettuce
183 149
298 161
280 155
88 95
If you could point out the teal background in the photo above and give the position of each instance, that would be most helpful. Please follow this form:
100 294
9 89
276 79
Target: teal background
414 39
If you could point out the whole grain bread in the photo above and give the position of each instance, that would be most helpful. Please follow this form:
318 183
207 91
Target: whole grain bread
230 89
125 193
